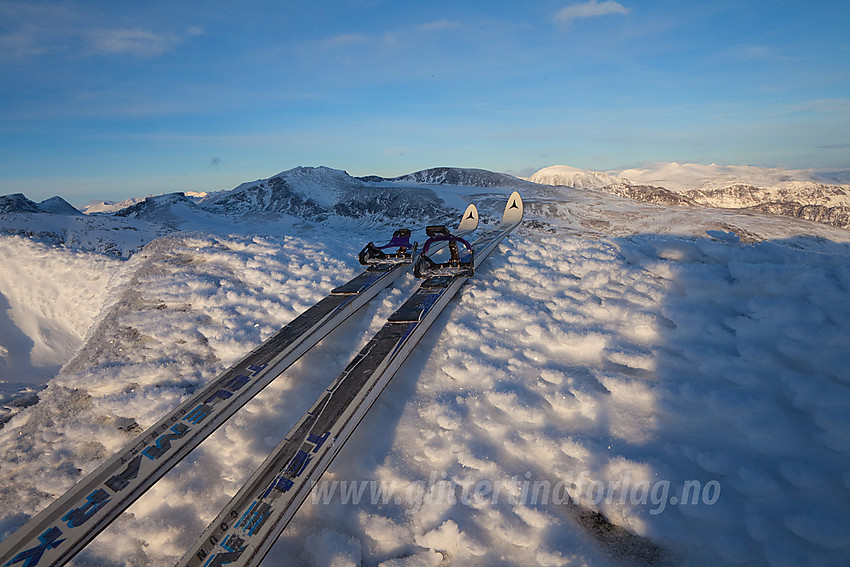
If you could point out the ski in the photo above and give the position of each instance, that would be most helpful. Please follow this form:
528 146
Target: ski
53 536
248 526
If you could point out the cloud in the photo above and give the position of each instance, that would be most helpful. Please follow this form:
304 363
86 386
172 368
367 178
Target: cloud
746 52
833 147
21 44
835 106
136 41
29 30
589 9
439 25
343 40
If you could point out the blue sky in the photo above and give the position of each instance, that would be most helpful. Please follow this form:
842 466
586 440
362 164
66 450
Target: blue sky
114 99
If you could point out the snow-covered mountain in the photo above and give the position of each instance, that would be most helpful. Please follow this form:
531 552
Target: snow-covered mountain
468 177
805 194
18 203
313 194
58 206
110 206
566 176
689 176
680 372
56 222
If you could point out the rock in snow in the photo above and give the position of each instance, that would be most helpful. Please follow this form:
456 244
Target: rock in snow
621 383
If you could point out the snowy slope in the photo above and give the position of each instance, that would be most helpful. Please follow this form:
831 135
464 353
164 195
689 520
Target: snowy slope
802 194
55 222
683 177
619 352
567 176
49 298
317 194
111 206
468 177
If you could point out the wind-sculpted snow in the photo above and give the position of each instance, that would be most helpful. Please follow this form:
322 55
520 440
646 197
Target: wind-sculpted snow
48 300
621 383
174 318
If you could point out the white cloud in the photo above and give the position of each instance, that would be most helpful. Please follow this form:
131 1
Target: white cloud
136 41
21 44
439 25
343 40
836 106
589 9
29 30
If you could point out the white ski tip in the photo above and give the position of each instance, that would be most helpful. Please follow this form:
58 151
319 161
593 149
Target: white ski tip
513 210
470 219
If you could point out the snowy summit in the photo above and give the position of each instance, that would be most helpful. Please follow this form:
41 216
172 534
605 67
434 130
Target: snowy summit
623 381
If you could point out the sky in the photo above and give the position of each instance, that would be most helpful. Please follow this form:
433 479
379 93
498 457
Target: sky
108 100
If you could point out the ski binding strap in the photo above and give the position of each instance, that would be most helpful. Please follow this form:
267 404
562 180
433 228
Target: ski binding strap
372 254
425 267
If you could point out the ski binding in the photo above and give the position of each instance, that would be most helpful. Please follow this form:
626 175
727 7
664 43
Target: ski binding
425 267
372 254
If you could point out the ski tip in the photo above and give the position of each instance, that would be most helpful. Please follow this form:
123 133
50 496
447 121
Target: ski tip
469 222
513 210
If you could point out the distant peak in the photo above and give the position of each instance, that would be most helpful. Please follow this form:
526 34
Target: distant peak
471 177
17 203
568 176
58 206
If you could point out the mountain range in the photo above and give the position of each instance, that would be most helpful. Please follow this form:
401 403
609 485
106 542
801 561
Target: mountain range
316 194
804 194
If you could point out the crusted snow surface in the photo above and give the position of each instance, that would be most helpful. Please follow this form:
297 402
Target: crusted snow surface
621 383
49 298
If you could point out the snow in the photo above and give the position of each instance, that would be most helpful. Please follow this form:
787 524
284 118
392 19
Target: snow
111 206
48 300
822 197
681 177
573 177
104 234
682 371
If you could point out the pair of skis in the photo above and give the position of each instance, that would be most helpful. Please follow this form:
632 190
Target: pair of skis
247 528
60 531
